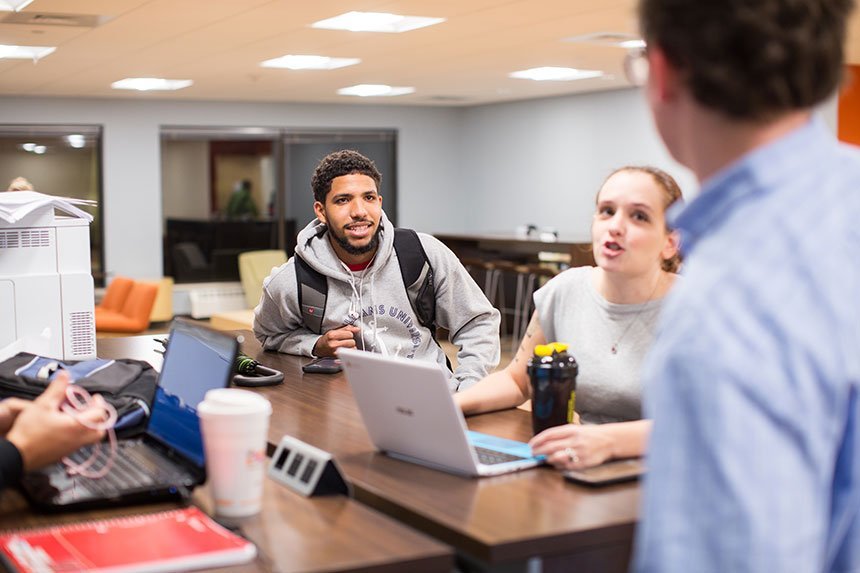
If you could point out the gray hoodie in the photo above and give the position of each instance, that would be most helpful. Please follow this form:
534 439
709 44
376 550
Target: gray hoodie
387 322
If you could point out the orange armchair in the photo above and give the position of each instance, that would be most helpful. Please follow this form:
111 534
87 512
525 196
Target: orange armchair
127 308
117 292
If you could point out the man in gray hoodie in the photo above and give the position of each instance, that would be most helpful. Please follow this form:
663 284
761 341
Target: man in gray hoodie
351 243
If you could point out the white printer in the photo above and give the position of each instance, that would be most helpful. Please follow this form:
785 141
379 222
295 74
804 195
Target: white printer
45 275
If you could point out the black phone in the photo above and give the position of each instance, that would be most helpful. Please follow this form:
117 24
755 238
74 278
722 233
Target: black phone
324 365
607 473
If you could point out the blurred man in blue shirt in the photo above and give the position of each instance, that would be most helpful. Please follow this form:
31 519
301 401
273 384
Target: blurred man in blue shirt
753 381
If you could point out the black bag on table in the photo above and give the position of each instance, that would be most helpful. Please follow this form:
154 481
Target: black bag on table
128 385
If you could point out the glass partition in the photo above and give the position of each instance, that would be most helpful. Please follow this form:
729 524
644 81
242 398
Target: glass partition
61 160
218 199
304 150
230 190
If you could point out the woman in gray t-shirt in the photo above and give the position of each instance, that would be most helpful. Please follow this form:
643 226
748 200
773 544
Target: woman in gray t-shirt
608 315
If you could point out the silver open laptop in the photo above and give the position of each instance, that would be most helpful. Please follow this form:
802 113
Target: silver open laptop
410 414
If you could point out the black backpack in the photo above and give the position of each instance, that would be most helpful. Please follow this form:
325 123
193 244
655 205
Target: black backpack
129 385
414 268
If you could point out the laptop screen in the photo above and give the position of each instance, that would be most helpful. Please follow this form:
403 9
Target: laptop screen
197 360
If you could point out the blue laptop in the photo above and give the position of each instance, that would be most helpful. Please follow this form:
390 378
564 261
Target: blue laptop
167 462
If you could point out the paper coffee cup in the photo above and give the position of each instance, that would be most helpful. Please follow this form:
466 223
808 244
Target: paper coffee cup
235 424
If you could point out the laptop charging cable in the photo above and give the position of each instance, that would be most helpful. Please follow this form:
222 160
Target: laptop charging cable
78 400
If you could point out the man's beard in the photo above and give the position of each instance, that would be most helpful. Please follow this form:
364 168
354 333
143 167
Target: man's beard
355 250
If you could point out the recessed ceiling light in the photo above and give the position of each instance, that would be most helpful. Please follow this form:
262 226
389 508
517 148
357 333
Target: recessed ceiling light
370 90
549 73
294 62
34 53
34 148
150 84
616 39
76 140
14 5
376 22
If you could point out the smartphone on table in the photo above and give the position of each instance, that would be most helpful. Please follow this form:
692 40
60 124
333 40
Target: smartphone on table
324 365
614 471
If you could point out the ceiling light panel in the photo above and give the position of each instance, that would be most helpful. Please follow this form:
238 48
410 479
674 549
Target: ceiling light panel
554 74
14 5
150 84
375 90
376 22
34 53
298 62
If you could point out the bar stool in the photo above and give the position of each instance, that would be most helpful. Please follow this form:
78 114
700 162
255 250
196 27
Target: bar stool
480 270
529 278
497 270
502 273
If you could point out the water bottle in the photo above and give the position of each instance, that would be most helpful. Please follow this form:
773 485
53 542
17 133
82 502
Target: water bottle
552 372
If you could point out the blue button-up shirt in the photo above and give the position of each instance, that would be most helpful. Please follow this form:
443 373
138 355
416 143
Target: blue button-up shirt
752 383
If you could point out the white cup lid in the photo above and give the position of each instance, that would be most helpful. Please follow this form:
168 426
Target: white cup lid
233 401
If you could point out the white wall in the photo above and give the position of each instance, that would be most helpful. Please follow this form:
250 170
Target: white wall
427 151
542 161
487 168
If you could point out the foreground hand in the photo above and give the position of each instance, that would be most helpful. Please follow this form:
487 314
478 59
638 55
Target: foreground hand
43 434
331 341
9 410
574 446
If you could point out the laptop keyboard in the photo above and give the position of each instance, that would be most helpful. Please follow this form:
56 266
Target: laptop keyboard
492 457
133 468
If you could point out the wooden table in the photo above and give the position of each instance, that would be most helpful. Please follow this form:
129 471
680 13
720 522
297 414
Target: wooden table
292 533
495 522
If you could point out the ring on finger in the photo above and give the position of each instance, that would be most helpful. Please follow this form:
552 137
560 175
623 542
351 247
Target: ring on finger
571 455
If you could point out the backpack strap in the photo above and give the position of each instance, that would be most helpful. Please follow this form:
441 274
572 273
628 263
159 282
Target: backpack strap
417 276
419 280
313 292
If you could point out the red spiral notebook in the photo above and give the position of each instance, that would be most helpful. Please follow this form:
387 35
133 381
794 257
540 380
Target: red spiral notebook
179 539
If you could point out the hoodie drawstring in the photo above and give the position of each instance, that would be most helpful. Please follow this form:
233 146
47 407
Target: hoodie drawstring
355 314
358 294
361 306
372 304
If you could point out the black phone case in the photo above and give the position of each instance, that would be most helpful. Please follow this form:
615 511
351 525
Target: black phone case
611 472
322 366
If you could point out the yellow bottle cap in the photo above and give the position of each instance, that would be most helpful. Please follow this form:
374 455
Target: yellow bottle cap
543 350
559 347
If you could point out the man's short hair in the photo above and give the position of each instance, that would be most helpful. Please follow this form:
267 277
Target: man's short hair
752 59
337 164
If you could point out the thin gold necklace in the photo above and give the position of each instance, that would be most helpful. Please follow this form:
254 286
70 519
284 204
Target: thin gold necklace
614 348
